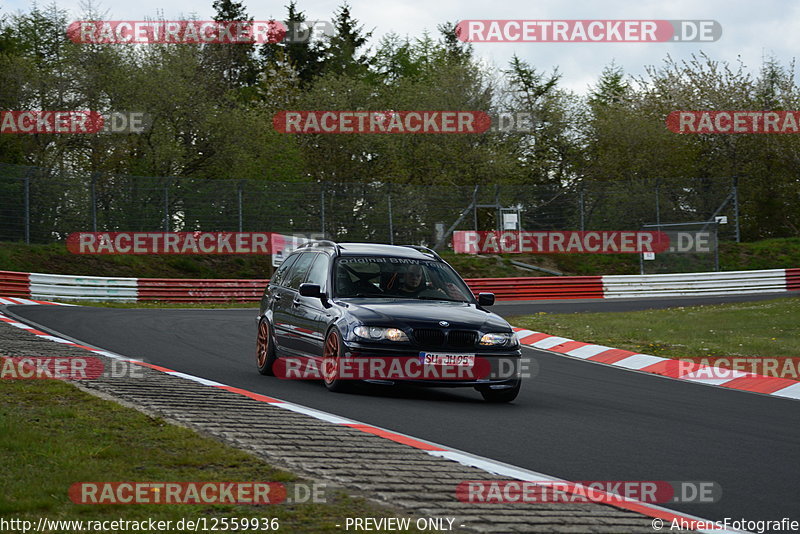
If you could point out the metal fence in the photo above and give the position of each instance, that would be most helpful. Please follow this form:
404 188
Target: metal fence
39 205
694 247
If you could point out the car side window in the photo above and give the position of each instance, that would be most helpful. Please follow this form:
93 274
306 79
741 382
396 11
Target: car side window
299 270
319 271
280 274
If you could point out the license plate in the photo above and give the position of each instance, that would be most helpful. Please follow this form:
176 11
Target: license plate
439 358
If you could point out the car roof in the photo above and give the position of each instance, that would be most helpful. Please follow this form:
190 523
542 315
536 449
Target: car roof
371 249
374 249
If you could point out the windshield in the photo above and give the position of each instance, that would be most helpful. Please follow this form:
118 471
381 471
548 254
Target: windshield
379 276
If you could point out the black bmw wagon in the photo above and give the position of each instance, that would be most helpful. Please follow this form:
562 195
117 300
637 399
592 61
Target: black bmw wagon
383 314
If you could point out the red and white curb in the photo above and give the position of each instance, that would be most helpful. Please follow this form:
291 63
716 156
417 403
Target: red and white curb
434 449
20 300
645 363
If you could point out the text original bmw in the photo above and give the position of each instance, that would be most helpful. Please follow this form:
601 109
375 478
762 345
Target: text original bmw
383 314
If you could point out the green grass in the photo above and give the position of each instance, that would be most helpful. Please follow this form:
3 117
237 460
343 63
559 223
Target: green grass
750 329
53 435
766 254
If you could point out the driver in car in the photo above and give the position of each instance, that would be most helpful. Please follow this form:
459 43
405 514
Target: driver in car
412 281
413 285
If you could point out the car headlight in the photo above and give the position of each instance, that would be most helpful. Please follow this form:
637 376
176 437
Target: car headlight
499 339
376 333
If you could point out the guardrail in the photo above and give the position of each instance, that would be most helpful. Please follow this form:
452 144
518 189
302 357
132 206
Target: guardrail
536 288
68 287
184 290
14 284
793 279
687 284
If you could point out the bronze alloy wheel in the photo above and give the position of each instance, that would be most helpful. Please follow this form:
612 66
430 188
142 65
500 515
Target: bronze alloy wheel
265 349
330 363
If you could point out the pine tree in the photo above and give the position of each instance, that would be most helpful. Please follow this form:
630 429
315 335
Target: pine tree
342 54
298 50
234 64
611 87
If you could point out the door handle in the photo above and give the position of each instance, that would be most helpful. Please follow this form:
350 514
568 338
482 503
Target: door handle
277 296
296 301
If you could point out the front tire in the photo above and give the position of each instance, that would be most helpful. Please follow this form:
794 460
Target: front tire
331 357
501 395
265 349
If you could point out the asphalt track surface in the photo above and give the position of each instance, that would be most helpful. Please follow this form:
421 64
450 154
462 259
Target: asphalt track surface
575 419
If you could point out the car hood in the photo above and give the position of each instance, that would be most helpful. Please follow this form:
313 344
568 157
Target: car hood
417 313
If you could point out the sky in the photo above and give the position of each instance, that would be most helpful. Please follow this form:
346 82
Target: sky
750 30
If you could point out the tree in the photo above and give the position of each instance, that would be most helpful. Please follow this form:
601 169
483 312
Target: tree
231 65
549 151
302 54
457 51
341 53
611 89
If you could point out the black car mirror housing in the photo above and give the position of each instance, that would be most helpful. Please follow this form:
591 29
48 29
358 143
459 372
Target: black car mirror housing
311 290
484 299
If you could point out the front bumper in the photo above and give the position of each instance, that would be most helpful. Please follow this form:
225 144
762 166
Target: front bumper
498 368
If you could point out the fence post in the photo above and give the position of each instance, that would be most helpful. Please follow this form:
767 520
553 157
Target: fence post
322 204
736 207
658 206
28 207
239 198
391 227
498 219
166 205
93 195
475 206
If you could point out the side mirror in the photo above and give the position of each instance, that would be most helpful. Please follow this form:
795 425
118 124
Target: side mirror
484 299
311 290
